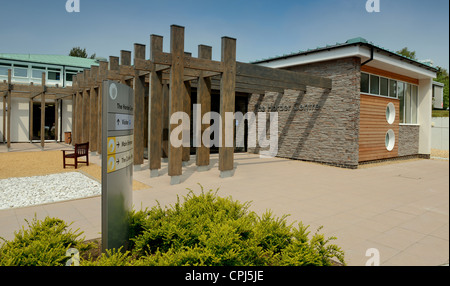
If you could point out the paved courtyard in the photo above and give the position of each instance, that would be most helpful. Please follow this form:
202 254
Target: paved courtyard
401 208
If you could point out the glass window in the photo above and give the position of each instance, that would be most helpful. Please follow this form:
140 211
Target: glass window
21 72
365 82
414 104
408 103
374 84
401 97
69 76
54 75
384 86
37 73
4 70
392 88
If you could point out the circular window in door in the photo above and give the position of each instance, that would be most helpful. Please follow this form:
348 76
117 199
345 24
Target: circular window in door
390 140
390 113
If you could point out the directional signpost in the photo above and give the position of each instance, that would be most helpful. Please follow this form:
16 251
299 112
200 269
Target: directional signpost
117 163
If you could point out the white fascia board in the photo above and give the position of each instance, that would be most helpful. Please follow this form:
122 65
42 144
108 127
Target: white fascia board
393 64
313 57
380 60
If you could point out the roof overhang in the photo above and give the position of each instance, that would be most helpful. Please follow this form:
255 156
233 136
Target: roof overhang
381 59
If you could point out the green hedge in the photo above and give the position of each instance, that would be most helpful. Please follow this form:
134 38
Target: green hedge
202 230
44 243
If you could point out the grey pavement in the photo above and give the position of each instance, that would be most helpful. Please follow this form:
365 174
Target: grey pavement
400 209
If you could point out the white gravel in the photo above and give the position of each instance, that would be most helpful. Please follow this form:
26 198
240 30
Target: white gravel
28 191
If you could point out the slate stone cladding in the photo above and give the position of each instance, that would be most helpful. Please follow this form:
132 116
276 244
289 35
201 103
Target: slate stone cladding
318 125
408 141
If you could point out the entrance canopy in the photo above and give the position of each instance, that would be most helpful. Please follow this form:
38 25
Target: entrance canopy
169 77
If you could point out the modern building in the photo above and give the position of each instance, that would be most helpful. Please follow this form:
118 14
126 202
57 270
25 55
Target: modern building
379 106
28 69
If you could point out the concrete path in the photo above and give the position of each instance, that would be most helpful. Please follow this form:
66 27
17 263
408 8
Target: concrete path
399 209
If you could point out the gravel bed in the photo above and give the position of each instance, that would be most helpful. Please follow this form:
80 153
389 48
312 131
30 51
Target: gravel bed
28 191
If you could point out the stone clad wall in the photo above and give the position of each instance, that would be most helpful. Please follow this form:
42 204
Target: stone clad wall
318 125
408 141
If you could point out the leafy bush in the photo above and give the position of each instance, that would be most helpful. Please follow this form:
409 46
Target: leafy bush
44 243
207 230
204 230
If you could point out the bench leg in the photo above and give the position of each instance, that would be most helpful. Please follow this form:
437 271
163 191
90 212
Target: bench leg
87 159
76 162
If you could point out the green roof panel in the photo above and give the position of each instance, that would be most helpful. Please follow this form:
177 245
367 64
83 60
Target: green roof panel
51 59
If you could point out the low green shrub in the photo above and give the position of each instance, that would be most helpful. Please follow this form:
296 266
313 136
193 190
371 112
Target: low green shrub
44 243
207 230
203 230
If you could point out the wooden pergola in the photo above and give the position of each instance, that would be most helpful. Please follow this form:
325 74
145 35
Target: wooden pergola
33 93
169 78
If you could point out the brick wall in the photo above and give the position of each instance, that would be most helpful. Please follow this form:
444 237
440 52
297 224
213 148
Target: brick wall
408 141
318 125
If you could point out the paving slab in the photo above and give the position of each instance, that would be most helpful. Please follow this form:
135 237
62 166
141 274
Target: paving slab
401 209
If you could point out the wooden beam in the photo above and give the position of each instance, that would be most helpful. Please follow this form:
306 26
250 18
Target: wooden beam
155 110
86 108
31 123
165 122
8 128
4 117
93 119
255 71
186 153
227 101
176 97
56 119
204 99
74 109
139 94
102 75
43 112
125 60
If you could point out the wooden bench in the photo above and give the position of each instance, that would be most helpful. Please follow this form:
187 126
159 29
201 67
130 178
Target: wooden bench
81 150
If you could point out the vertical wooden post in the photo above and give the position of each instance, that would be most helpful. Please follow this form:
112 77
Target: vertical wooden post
176 97
30 129
93 129
86 107
165 123
8 128
56 119
139 94
227 101
74 109
43 112
4 119
204 99
125 60
187 109
155 110
103 70
79 128
113 63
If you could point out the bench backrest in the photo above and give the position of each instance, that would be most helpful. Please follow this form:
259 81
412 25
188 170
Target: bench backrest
81 149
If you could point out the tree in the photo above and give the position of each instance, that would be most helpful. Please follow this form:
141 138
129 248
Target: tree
80 53
407 53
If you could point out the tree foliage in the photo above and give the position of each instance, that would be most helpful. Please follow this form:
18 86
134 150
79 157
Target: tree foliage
407 53
80 53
